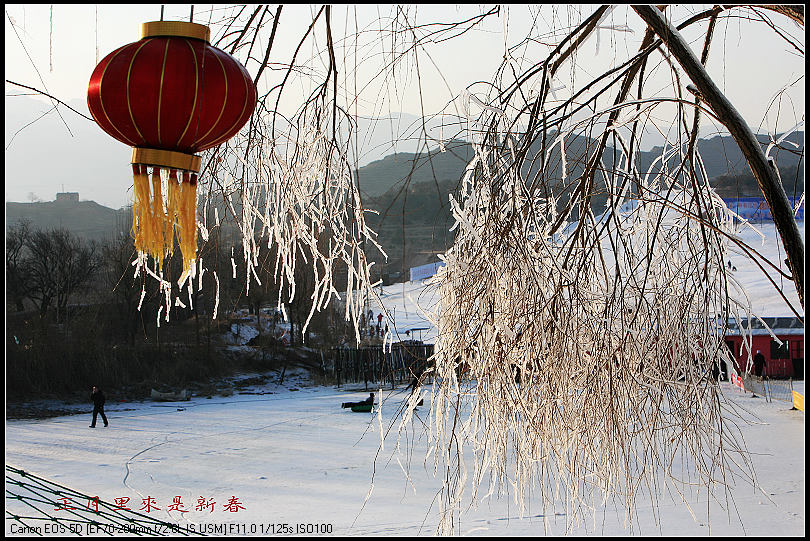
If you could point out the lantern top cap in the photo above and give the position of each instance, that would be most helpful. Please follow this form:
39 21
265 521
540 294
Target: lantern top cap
180 29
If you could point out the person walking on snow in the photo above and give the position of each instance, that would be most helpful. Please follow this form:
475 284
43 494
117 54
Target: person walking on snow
98 406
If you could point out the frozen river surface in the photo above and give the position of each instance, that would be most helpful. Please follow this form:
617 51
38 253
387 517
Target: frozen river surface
297 457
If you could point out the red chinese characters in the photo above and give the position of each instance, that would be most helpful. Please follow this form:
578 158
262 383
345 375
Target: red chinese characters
233 505
177 505
149 504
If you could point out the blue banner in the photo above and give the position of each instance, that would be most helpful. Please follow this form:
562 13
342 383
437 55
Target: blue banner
425 271
756 208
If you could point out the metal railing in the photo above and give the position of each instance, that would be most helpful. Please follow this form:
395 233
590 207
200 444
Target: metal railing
377 366
770 389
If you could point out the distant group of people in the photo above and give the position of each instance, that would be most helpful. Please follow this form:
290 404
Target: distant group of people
369 329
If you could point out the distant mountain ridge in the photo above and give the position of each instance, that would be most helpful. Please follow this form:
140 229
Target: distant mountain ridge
86 219
410 193
721 156
379 176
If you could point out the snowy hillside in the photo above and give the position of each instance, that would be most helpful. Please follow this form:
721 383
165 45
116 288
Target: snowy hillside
765 300
408 305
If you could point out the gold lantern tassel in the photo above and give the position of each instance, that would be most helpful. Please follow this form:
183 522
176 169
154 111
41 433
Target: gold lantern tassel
172 206
151 224
158 225
158 216
141 208
187 219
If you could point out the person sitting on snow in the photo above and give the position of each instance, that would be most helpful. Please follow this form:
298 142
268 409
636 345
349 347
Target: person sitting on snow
368 401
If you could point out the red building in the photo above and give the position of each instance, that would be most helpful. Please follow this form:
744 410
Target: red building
785 360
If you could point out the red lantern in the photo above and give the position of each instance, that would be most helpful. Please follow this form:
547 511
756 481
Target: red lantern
169 96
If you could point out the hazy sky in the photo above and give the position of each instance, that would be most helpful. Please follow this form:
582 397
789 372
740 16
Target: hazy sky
55 49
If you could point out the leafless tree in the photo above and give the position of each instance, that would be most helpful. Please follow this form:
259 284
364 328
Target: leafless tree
59 264
115 269
16 273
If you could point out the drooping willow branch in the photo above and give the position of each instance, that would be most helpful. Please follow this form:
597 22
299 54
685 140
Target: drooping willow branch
584 301
288 180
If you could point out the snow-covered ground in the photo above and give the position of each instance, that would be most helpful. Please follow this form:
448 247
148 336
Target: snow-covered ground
291 454
298 457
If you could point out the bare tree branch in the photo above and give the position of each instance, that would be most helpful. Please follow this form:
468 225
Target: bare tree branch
764 171
53 98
